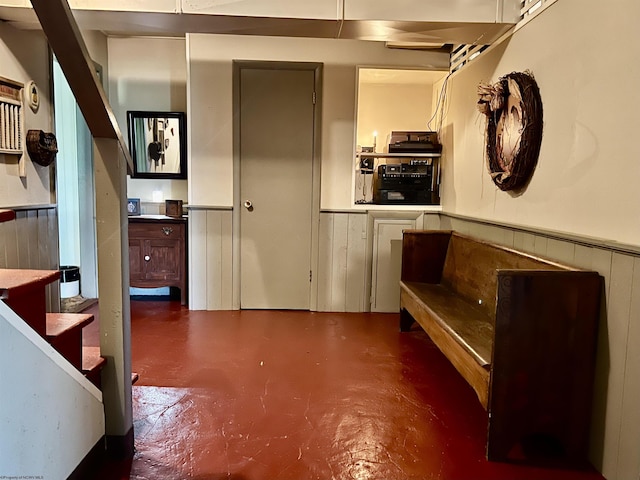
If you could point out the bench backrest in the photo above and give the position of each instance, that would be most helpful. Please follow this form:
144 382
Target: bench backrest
471 266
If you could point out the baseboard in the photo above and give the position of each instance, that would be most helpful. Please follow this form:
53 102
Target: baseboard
120 446
108 448
91 462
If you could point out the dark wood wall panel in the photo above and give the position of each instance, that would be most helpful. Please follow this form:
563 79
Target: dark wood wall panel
31 242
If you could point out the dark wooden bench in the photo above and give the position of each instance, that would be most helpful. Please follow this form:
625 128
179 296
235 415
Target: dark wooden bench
521 330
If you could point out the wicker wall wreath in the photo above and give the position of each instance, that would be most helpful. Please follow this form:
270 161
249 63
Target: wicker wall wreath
514 128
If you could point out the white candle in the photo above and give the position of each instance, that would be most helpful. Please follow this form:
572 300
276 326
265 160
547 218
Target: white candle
157 196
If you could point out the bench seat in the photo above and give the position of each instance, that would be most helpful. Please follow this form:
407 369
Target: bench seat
521 330
464 321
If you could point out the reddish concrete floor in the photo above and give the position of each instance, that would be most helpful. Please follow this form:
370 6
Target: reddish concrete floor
257 395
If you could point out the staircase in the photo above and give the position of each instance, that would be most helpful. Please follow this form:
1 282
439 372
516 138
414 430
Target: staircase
24 292
42 365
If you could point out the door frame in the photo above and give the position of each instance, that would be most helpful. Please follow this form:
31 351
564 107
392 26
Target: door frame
375 217
74 129
238 66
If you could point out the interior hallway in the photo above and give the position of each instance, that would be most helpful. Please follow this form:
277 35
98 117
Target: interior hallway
261 395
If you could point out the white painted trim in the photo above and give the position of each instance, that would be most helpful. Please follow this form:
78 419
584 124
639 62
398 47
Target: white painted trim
553 234
397 208
40 206
209 207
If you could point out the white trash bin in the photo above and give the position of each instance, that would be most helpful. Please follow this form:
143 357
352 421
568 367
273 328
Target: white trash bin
69 281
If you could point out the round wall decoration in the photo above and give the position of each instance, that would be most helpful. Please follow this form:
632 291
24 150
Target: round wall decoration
42 147
32 96
514 128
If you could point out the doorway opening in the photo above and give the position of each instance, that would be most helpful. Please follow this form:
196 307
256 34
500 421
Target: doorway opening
75 191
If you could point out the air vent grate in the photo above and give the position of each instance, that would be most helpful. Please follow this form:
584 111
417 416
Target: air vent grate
11 117
463 54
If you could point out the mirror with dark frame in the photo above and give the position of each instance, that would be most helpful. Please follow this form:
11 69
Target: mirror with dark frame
158 144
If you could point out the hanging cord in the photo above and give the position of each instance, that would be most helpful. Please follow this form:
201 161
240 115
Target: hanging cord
443 96
341 20
439 107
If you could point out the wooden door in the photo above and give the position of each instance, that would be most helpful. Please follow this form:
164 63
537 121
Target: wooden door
276 178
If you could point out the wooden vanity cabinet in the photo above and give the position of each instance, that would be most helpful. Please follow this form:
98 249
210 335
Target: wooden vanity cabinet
157 253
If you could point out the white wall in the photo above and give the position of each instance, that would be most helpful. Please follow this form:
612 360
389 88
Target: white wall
24 56
586 181
45 431
97 46
384 108
148 74
210 105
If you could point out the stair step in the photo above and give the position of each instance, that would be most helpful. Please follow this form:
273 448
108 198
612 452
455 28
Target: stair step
92 364
60 323
24 291
15 281
64 333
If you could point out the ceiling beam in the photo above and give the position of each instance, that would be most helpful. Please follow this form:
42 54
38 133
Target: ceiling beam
67 44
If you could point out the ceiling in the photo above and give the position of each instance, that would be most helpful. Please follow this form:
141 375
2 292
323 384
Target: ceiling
422 34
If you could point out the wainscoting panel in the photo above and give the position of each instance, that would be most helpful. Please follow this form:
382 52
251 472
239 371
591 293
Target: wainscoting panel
210 259
613 353
524 241
219 261
31 242
431 222
197 251
486 232
325 262
342 262
335 282
346 248
629 454
356 298
8 245
560 250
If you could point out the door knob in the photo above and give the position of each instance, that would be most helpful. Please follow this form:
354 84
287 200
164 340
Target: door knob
248 205
147 258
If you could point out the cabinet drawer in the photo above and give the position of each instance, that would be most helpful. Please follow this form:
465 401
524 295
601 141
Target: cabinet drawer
156 230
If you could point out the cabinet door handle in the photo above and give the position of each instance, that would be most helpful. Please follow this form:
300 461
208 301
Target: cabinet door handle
167 230
147 258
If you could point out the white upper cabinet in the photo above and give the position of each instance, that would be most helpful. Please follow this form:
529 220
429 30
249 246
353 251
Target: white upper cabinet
158 6
15 3
433 11
454 11
316 9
